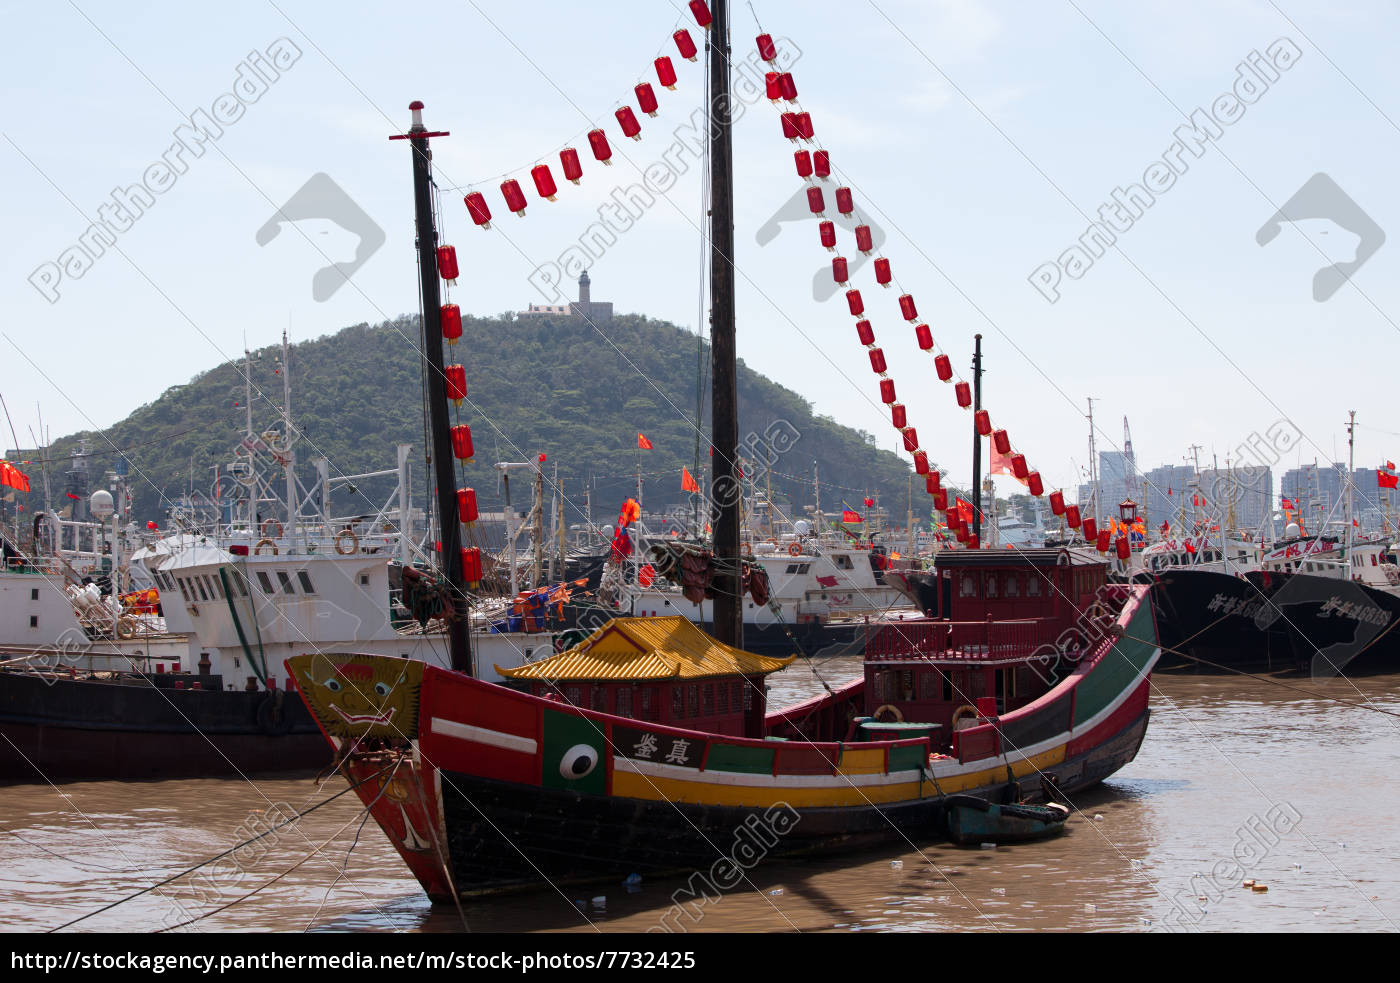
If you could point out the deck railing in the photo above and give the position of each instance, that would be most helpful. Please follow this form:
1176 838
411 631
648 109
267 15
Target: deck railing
973 640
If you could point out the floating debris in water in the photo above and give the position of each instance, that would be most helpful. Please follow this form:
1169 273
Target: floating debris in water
1248 883
1341 844
998 890
1136 862
1297 866
1098 817
600 902
1200 897
633 880
1089 909
896 865
989 846
776 892
1147 921
1260 888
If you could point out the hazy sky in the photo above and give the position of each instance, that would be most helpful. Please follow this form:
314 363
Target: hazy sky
982 138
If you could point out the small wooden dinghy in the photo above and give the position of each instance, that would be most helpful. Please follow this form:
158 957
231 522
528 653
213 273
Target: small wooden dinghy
972 819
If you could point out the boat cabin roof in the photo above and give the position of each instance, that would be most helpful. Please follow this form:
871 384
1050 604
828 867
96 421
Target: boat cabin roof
1019 558
658 648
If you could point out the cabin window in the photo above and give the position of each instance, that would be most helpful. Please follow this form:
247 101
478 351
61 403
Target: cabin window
738 693
721 698
692 700
265 582
624 701
968 586
709 699
34 594
929 684
1033 585
947 679
677 703
286 582
748 694
1013 585
199 585
305 580
574 695
33 621
991 585
843 562
215 588
600 699
648 702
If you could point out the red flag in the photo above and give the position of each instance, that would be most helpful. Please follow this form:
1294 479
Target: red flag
848 516
688 482
1390 465
642 442
964 510
1287 505
13 477
1387 480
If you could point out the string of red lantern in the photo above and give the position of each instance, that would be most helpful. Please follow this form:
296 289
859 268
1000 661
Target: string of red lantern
814 166
569 161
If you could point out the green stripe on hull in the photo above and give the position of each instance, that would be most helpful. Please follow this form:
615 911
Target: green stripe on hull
737 757
1118 668
907 757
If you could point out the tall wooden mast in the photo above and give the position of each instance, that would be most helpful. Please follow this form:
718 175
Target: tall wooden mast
724 409
439 426
976 438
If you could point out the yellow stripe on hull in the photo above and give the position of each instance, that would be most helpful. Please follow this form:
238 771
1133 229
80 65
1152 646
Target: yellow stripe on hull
660 788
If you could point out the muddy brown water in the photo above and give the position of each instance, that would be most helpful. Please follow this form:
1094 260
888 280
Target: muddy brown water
1237 779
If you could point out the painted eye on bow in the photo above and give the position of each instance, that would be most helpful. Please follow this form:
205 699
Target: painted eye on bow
332 684
578 762
383 689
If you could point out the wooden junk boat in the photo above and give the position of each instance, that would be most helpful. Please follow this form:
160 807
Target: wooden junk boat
646 747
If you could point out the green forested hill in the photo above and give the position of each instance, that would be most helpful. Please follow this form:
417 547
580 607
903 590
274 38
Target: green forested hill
536 386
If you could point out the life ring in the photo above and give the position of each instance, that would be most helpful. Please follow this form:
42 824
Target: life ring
894 712
126 628
272 522
795 549
257 550
967 710
354 542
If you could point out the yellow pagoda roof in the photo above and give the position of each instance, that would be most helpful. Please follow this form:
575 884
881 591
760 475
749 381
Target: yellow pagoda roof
647 648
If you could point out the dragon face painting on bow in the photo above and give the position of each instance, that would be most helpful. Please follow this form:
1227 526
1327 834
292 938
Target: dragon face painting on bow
360 696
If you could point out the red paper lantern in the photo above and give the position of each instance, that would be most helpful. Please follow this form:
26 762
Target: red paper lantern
920 462
964 393
1057 502
973 542
828 232
478 209
684 44
772 85
940 499
821 161
598 140
804 126
451 316
515 198
466 504
844 204
804 163
462 442
471 565
898 416
665 72
628 121
767 50
907 308
877 363
1091 529
853 301
790 129
1124 549
961 533
1105 540
568 159
983 422
1019 467
887 395
943 366
646 98
863 239
839 270
932 482
456 376
816 201
1072 516
544 181
447 263
883 276
1034 485
787 86
865 332
701 10
1001 441
911 439
924 336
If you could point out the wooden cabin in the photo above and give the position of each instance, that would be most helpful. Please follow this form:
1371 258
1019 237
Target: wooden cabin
660 669
1009 625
